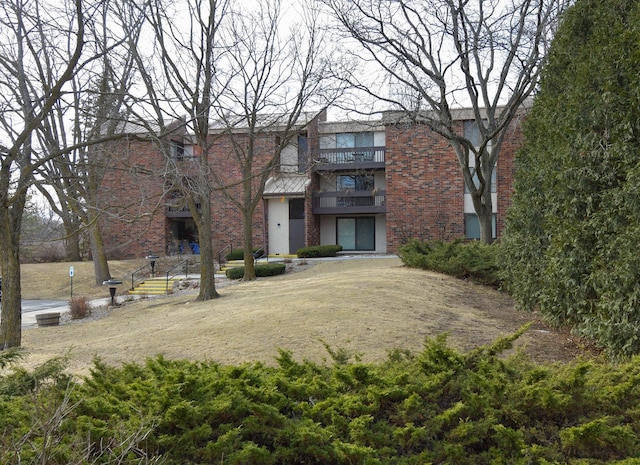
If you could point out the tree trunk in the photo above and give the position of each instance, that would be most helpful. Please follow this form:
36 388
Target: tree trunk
486 227
98 255
207 262
247 233
11 316
72 247
72 241
484 210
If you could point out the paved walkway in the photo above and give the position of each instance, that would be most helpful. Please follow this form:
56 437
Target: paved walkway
31 308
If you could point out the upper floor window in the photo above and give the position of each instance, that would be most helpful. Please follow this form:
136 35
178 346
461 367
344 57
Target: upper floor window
180 150
303 153
472 133
349 140
355 182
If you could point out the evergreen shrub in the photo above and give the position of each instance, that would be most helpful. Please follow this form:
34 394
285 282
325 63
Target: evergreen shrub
465 260
237 254
268 269
315 251
570 248
436 406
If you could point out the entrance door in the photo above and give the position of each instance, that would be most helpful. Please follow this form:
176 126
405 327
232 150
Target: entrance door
296 224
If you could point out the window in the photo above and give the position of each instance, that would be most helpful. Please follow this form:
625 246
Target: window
355 182
303 153
180 151
354 141
177 150
349 140
356 233
472 226
472 133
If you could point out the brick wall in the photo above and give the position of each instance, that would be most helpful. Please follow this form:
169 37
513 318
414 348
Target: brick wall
424 186
132 211
425 189
132 196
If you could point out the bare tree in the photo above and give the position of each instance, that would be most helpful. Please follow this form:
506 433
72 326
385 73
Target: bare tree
437 56
94 115
36 63
181 82
271 72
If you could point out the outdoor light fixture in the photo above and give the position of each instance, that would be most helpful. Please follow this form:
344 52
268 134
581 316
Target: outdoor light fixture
152 261
112 283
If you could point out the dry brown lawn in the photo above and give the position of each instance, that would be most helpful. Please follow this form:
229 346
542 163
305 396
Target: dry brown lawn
364 306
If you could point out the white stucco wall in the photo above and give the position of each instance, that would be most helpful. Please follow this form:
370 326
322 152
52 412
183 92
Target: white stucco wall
381 234
327 229
278 226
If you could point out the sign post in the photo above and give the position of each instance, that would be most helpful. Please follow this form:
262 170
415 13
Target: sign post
71 279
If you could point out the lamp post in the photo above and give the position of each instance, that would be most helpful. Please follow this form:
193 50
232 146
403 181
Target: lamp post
152 261
112 283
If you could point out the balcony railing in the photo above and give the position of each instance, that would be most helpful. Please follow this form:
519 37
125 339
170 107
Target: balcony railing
350 158
180 212
333 203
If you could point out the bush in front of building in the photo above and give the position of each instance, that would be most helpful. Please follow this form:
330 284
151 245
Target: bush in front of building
436 406
315 251
262 271
464 260
237 254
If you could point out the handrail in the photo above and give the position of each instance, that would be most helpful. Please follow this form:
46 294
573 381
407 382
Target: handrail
221 251
135 272
170 270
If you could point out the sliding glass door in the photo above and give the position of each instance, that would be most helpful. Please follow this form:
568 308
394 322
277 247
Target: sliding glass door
357 233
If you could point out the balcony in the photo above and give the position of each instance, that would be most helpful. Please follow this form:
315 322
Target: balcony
350 158
174 211
349 202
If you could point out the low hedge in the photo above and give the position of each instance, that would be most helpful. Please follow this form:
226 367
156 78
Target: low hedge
269 269
316 251
462 259
436 406
237 254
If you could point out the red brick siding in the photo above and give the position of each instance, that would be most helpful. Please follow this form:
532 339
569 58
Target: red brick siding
132 218
424 187
131 192
425 192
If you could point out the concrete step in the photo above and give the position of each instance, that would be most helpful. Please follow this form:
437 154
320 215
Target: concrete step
154 286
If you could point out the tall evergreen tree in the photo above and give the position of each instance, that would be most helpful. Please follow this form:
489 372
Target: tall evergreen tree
573 235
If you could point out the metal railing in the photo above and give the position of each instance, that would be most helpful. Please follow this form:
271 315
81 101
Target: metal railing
351 155
350 202
138 275
172 273
222 250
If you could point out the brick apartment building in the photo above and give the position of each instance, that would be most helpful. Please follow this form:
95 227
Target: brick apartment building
368 186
